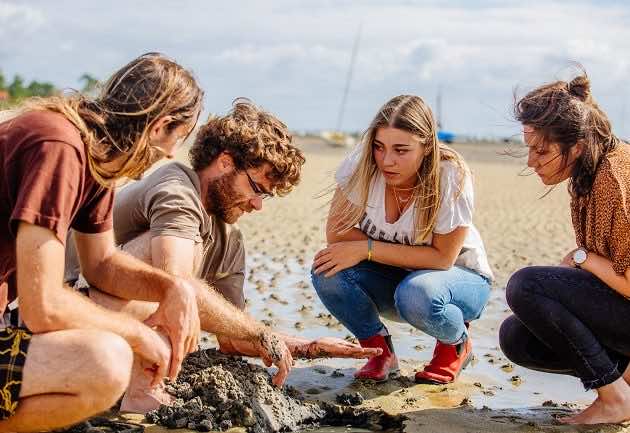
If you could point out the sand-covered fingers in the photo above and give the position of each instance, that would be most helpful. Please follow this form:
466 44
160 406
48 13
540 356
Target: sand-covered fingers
330 347
273 350
179 317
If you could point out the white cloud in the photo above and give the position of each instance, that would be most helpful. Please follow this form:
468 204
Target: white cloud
292 56
17 21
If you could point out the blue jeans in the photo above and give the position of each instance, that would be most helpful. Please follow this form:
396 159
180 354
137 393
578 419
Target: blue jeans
435 302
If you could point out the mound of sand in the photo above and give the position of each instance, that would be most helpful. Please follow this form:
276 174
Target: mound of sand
216 392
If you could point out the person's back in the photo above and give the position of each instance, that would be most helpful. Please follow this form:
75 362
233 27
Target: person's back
42 153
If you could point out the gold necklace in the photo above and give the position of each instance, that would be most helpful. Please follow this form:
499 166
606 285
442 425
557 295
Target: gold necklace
398 201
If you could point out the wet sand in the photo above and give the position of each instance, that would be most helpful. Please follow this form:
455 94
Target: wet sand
519 228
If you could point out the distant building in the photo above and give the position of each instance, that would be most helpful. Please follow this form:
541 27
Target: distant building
4 95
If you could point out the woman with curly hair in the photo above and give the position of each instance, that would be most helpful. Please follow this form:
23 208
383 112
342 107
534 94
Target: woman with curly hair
402 243
569 319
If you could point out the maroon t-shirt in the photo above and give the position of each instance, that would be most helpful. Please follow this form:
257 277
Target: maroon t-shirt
45 180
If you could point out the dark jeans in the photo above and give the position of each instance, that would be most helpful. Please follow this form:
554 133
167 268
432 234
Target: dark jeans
567 321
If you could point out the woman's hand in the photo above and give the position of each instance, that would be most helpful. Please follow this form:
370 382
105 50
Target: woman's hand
567 262
339 256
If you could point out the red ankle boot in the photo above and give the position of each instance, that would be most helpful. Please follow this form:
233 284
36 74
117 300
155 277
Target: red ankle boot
447 362
382 367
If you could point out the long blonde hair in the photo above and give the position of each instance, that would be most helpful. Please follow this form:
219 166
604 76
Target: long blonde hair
117 122
408 113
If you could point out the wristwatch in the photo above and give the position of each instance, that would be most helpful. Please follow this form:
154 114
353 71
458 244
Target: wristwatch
579 257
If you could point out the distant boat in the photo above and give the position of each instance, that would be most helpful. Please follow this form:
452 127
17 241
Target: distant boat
446 136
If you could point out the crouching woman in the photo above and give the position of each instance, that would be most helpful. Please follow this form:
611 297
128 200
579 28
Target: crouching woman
570 319
401 243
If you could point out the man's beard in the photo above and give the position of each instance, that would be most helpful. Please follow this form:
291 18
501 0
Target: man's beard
223 200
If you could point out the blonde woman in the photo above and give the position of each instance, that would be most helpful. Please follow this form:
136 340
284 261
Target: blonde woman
401 243
60 157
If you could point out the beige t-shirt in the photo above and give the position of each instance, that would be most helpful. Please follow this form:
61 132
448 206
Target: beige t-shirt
167 202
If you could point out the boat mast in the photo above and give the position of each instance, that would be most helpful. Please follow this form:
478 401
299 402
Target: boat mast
353 57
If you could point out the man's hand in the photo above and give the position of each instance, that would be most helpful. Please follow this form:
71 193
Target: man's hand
339 256
154 350
325 347
330 347
272 350
178 316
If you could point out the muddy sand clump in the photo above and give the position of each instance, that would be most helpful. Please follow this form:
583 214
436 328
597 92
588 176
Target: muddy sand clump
217 392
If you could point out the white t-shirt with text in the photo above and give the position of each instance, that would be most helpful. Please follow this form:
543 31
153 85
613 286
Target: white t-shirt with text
456 210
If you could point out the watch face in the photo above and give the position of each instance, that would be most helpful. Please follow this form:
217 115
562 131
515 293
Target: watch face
579 256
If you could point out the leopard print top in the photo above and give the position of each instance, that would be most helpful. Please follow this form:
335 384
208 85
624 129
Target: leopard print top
601 220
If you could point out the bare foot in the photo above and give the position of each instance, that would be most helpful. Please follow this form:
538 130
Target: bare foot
145 400
612 406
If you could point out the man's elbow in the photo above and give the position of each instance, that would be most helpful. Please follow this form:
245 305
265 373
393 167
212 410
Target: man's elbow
39 319
95 271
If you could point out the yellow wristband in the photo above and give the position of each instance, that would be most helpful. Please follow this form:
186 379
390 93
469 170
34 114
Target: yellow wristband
369 250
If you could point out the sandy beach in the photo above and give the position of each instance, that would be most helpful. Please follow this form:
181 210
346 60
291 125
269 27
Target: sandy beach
519 228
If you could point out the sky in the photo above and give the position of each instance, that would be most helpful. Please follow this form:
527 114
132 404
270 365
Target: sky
292 56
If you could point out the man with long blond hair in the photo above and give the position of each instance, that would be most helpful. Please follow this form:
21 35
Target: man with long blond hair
66 358
180 219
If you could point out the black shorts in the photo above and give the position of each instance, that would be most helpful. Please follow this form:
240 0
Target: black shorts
13 348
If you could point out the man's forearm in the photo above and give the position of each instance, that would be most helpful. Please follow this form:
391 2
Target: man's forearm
297 346
219 316
67 309
126 277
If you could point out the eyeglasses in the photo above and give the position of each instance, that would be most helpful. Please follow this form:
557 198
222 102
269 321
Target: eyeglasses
258 190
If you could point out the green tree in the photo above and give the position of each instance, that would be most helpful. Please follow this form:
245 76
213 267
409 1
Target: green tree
89 83
16 88
2 81
41 89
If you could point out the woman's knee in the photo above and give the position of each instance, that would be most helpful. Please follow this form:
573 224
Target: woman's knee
511 340
418 303
518 286
333 287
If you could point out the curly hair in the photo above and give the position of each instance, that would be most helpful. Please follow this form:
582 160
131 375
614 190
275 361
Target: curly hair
252 137
566 113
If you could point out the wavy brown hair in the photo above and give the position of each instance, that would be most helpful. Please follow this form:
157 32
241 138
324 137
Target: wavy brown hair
117 122
409 113
252 137
565 113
